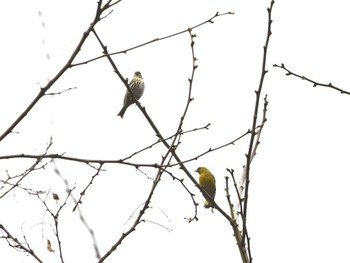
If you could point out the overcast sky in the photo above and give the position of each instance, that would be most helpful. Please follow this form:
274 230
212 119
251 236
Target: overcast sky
298 199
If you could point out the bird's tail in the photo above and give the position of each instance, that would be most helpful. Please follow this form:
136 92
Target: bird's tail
209 205
122 112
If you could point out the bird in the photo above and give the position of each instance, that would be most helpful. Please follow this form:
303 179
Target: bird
208 184
137 86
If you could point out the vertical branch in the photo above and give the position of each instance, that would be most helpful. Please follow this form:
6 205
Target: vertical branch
194 67
256 111
55 217
244 172
177 137
246 258
80 213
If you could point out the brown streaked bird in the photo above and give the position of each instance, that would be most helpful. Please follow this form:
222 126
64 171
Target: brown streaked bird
137 86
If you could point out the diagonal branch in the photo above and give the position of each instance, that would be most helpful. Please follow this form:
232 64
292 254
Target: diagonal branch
79 201
315 83
100 9
232 221
210 20
168 138
32 168
139 217
14 242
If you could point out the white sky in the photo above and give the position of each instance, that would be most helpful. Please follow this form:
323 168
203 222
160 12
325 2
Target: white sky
298 206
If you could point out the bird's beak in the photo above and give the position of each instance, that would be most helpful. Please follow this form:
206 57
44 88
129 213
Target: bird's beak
197 171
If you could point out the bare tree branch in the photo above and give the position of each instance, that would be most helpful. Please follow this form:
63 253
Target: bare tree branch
210 20
315 83
100 9
254 151
81 216
206 127
14 242
19 178
121 161
254 124
98 170
55 217
138 219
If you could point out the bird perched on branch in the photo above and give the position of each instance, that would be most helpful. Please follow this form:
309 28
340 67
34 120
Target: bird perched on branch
137 86
207 182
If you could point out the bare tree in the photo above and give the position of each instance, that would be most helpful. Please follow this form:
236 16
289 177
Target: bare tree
168 159
20 170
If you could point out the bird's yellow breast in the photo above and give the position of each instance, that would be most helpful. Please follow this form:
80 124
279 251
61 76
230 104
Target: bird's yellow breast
206 179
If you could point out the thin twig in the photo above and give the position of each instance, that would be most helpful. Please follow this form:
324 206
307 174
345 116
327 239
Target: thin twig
168 138
228 197
81 216
315 83
32 168
121 161
254 124
55 217
255 147
82 193
240 204
14 242
210 20
138 219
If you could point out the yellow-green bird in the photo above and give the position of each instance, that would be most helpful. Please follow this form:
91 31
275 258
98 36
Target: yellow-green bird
137 86
207 182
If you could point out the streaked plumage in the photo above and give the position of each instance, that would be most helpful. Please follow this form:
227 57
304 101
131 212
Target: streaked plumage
207 182
137 87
